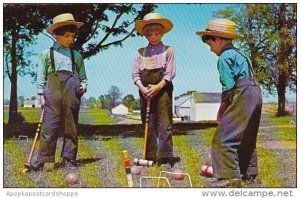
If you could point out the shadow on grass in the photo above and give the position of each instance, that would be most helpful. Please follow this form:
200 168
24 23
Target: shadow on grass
79 162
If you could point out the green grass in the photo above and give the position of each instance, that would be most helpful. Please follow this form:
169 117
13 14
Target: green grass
277 167
86 116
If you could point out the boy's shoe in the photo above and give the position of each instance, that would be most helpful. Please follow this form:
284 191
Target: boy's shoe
250 179
227 183
37 166
168 160
69 164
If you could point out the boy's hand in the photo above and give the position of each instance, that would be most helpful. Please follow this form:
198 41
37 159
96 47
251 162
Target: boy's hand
82 90
153 90
144 92
42 101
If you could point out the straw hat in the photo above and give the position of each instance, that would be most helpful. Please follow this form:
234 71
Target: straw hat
221 27
63 20
153 18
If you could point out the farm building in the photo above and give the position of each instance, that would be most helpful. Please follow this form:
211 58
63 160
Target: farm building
119 110
31 103
198 106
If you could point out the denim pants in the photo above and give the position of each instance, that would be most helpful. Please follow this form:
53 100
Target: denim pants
61 110
159 144
234 142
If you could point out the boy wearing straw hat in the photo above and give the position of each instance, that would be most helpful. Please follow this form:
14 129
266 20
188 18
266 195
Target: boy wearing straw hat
233 151
153 72
61 81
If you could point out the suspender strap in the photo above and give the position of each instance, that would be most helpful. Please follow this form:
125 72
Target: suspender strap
163 56
52 60
74 69
250 68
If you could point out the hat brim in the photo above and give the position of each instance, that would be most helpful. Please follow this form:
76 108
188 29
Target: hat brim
140 24
220 34
52 27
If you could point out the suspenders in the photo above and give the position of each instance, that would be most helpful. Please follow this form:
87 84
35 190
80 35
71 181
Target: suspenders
163 56
250 68
53 63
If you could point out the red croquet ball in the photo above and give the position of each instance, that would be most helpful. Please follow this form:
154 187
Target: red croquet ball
207 171
177 174
136 170
72 178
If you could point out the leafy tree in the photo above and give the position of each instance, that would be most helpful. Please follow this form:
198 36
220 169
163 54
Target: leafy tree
21 101
91 102
105 25
20 26
115 96
130 102
104 101
6 101
270 39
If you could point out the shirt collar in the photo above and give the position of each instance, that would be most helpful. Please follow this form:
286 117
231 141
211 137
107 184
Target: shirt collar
227 47
57 47
155 46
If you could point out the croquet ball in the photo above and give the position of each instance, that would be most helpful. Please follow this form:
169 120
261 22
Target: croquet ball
177 174
72 178
136 170
23 170
207 171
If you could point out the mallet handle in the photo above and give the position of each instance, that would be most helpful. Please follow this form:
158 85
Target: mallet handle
146 128
36 137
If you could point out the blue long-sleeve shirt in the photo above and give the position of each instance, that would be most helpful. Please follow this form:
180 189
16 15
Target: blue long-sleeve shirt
62 59
232 66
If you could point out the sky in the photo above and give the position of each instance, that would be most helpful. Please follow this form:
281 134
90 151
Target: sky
195 64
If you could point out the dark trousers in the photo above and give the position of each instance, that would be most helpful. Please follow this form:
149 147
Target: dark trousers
61 110
159 144
234 141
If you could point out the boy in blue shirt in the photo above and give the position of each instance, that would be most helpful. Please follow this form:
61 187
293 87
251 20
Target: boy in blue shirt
233 151
61 81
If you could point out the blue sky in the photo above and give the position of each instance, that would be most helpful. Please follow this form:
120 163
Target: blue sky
195 63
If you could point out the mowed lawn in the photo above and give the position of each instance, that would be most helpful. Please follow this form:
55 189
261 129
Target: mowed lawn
101 161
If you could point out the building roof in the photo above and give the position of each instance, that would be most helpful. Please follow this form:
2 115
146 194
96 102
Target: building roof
181 100
207 97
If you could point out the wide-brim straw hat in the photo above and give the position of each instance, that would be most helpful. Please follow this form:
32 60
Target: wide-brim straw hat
153 18
63 20
221 27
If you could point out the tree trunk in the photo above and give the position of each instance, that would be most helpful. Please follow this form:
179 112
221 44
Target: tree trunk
13 105
282 64
281 95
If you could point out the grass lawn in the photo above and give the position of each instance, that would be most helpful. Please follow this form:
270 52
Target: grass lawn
101 161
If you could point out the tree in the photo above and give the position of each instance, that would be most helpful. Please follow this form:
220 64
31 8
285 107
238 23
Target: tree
105 25
91 102
270 39
130 102
115 96
21 101
20 26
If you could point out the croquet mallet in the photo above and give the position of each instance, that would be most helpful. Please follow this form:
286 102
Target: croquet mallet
38 130
144 161
146 128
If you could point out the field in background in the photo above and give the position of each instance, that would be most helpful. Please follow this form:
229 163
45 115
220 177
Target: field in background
101 162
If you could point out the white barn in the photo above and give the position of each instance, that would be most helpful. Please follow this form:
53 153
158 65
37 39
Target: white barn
183 107
119 110
205 106
32 103
197 106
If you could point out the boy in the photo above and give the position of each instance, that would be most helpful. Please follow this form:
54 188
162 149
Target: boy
61 81
234 142
153 71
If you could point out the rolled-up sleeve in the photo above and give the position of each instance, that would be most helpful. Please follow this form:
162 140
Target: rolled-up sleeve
170 66
43 60
136 67
81 71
